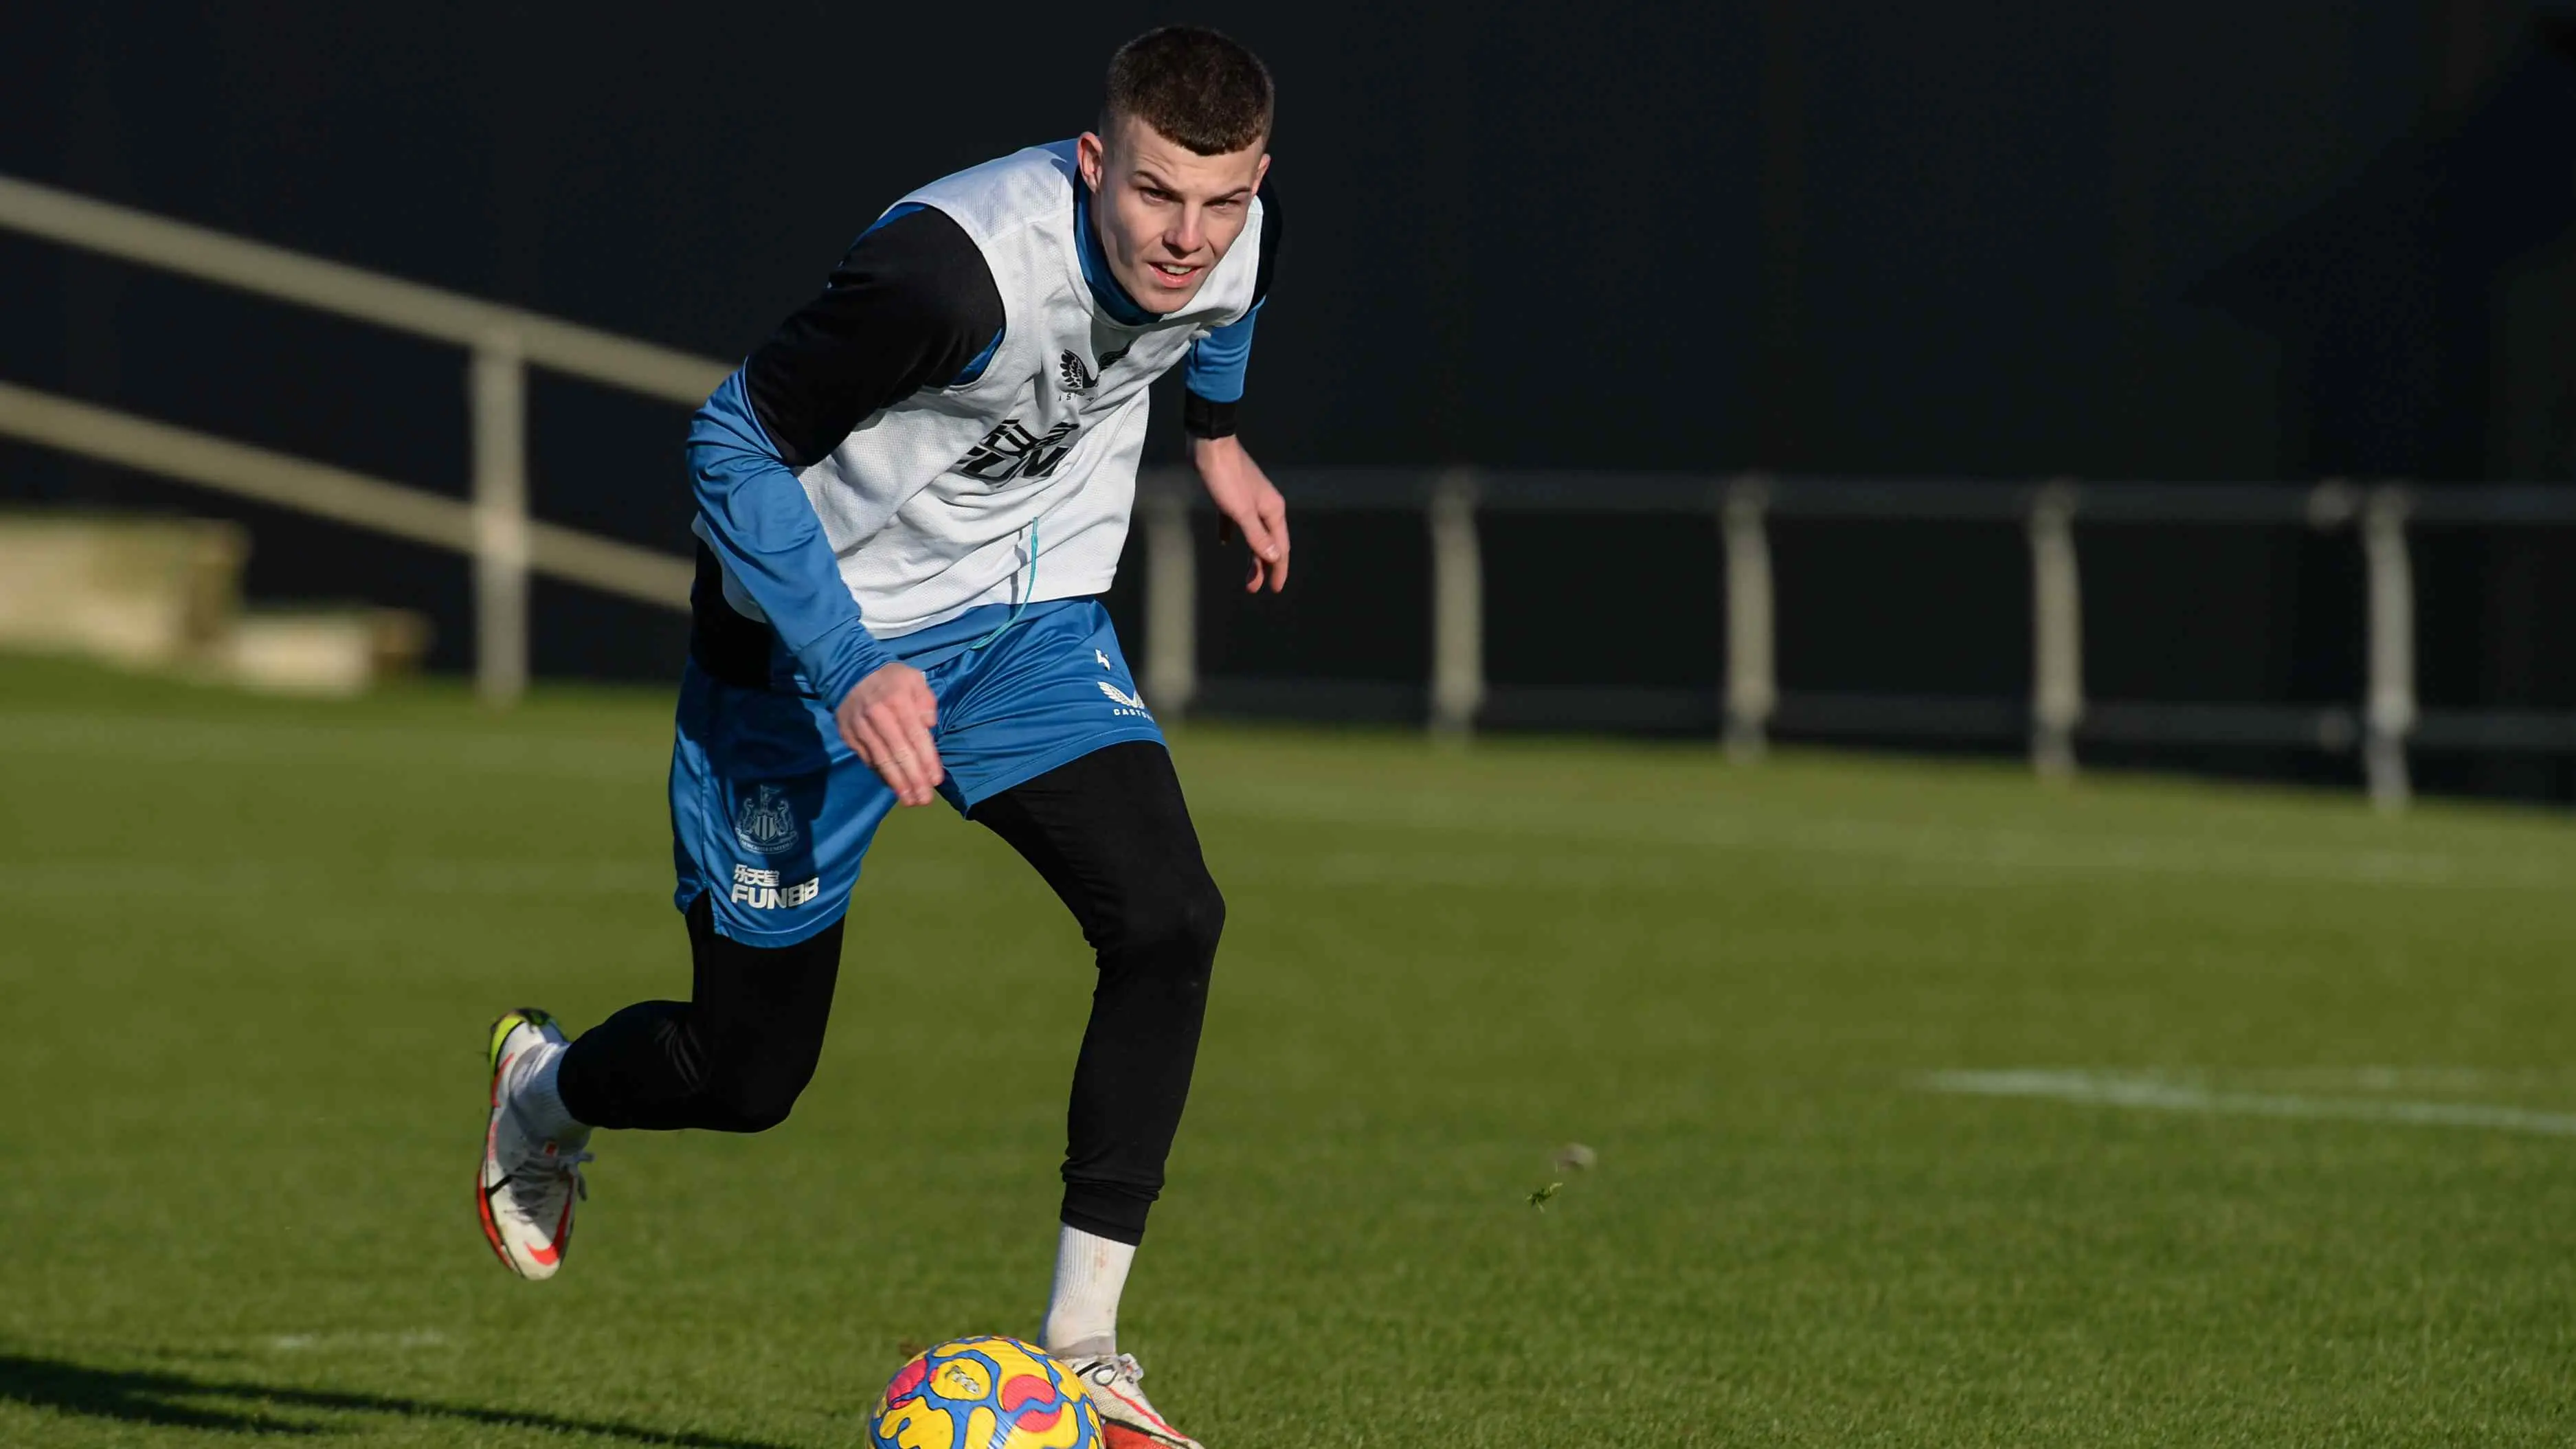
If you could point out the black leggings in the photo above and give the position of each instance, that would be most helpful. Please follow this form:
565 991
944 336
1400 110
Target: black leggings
1111 834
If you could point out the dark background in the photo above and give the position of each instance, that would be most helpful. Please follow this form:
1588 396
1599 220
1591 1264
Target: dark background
2187 241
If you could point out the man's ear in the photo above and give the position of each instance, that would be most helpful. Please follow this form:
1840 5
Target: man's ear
1090 157
1261 172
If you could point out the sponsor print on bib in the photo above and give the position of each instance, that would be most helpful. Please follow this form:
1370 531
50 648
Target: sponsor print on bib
1010 452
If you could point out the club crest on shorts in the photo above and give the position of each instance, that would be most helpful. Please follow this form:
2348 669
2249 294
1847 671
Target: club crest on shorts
764 825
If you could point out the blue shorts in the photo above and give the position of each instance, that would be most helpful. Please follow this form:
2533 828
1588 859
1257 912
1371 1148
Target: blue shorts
771 812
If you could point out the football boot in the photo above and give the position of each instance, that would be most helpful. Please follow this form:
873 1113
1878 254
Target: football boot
1128 1420
528 1183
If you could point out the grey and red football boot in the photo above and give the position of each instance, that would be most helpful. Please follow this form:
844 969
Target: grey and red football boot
529 1183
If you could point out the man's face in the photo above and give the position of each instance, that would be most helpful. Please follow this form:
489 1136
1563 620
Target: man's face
1165 213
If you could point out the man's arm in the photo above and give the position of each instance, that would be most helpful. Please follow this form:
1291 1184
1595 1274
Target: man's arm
758 522
912 305
1212 393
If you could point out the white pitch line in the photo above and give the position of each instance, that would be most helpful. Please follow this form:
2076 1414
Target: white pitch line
2099 1089
329 1342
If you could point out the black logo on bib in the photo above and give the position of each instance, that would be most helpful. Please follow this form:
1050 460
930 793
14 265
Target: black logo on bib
1078 378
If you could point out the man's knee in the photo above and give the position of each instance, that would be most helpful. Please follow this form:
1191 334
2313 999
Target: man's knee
1172 924
755 1082
748 1112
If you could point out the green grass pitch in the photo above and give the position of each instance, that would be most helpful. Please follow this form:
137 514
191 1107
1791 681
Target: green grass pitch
250 948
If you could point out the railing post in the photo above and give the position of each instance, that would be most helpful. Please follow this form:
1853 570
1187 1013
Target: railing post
1457 606
497 390
2057 632
1171 602
1752 683
2389 714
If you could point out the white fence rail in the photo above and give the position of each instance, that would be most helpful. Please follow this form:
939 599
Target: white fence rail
507 545
495 529
2058 714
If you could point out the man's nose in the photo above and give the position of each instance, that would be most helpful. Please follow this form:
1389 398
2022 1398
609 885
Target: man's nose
1186 235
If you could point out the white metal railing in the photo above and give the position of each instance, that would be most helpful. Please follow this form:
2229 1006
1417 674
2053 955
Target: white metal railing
1457 605
2057 632
494 529
1171 601
1752 679
2389 714
2058 713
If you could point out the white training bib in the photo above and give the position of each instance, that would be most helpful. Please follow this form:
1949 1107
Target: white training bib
932 505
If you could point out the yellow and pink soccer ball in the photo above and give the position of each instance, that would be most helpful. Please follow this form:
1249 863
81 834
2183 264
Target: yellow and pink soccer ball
984 1393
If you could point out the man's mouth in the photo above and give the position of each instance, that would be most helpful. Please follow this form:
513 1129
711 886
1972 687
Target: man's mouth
1172 274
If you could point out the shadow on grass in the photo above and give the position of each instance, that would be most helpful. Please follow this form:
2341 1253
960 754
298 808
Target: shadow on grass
179 1401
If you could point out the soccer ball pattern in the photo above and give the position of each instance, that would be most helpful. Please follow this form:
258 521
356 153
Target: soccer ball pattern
984 1393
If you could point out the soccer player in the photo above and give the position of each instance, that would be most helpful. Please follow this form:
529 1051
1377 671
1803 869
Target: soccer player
909 501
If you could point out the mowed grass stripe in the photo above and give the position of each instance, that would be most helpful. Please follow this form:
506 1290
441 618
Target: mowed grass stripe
1693 808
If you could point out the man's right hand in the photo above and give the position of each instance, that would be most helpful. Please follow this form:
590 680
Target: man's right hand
886 719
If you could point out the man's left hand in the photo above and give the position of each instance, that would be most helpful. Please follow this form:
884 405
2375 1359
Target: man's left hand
1249 501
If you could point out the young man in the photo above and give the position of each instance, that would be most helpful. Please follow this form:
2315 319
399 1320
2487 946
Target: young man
909 500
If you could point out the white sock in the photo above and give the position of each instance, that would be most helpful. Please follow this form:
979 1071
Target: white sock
532 1094
1082 1311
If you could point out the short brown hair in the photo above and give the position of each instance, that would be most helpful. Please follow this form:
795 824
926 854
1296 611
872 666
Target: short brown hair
1193 86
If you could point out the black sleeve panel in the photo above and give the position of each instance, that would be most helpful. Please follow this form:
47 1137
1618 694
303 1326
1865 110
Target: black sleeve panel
1274 235
1201 418
910 306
